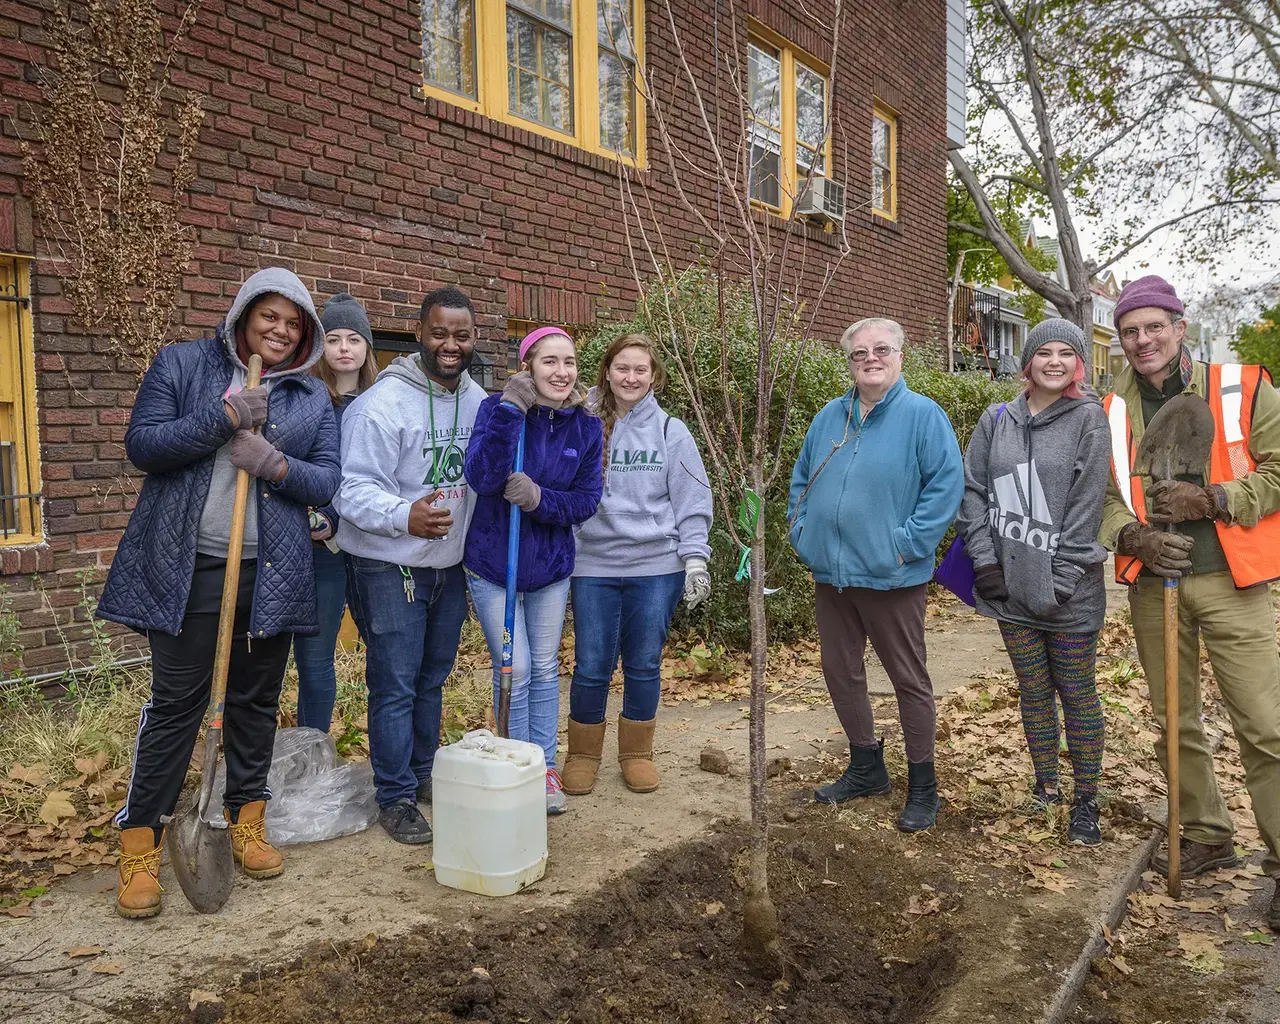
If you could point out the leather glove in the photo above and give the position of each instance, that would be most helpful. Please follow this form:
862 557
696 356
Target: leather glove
256 455
522 491
1176 501
697 582
988 582
250 407
519 391
1164 553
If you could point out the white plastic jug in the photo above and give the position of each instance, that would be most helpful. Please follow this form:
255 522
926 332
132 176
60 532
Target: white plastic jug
489 814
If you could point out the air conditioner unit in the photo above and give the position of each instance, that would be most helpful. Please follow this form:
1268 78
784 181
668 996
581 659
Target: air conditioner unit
823 198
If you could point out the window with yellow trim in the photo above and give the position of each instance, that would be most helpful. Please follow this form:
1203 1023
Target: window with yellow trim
787 96
568 69
19 437
884 161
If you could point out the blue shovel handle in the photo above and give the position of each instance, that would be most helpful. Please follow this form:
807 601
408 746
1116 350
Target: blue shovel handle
509 618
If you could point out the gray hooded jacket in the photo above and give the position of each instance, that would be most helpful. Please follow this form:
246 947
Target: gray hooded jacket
1032 503
390 459
215 518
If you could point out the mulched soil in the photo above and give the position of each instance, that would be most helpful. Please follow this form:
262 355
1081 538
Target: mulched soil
660 944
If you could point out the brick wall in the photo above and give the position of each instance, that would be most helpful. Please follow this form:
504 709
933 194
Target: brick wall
319 153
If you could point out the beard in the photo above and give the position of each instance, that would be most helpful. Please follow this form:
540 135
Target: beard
433 368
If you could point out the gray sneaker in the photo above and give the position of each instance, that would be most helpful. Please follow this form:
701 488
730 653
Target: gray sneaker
557 802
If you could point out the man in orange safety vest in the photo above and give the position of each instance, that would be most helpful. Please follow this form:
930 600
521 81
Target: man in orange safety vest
1225 546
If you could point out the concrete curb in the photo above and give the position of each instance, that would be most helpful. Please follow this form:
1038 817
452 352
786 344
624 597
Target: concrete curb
1065 999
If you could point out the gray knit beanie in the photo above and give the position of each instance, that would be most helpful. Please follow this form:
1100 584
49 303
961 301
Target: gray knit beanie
1043 333
343 311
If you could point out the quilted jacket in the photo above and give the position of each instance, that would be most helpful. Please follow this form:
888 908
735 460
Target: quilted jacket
178 424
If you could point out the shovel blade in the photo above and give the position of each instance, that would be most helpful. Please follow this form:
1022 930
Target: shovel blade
200 853
1178 440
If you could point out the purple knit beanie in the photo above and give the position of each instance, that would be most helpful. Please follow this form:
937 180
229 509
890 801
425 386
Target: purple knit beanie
1152 290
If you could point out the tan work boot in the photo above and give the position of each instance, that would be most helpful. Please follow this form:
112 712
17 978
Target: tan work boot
586 742
249 845
138 874
1197 858
635 754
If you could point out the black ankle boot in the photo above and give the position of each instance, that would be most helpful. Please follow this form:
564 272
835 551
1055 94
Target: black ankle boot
921 811
865 776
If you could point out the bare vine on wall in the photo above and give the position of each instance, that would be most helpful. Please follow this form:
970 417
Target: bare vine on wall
108 158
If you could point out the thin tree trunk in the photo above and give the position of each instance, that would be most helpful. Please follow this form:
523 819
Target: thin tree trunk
759 916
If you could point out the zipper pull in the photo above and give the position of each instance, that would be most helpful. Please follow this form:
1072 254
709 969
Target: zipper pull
249 640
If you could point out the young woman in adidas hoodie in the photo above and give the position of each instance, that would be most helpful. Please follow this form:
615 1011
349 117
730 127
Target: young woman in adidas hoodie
558 489
643 551
1035 476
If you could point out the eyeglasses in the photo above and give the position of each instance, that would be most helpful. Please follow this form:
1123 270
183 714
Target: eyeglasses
861 355
1150 330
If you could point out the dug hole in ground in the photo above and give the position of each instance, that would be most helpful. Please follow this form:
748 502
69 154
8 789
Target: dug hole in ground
638 917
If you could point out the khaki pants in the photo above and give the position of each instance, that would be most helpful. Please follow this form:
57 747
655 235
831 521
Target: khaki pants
1239 631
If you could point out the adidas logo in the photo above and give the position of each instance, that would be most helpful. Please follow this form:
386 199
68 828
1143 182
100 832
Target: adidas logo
1018 511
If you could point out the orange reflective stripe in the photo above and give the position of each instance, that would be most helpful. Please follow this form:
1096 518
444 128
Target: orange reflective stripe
1129 484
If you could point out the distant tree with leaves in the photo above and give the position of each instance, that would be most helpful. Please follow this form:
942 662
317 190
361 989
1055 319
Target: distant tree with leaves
1260 342
109 205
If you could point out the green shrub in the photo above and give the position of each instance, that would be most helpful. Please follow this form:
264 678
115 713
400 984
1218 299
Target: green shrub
964 397
696 305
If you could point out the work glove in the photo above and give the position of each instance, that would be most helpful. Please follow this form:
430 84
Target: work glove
522 491
988 583
519 391
249 406
257 456
697 582
1164 553
1175 501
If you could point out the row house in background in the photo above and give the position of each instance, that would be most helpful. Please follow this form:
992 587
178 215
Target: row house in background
387 148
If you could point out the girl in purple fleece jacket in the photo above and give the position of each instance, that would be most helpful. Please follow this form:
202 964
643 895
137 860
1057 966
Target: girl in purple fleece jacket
559 488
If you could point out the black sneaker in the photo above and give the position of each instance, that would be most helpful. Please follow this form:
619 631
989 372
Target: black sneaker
423 795
1084 830
404 822
1046 795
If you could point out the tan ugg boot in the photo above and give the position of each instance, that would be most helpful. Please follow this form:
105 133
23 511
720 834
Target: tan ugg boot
138 874
635 754
249 845
586 742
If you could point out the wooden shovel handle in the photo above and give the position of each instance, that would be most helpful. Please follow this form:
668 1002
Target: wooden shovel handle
231 581
1171 730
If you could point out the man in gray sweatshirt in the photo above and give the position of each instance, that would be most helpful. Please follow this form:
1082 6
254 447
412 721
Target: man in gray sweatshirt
405 509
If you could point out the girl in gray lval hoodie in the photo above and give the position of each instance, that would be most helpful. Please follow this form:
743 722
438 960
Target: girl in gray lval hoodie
1035 475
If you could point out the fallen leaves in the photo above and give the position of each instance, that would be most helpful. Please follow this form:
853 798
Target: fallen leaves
1201 953
79 951
57 805
199 995
113 967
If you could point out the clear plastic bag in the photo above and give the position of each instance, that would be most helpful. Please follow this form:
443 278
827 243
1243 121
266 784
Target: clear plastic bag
315 795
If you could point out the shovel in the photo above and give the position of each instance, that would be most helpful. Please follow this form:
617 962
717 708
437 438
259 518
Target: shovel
199 852
1178 440
509 617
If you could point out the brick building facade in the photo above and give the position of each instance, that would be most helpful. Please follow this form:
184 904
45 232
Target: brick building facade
322 151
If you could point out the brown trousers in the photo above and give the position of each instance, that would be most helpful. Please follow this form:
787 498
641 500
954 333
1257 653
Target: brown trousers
893 620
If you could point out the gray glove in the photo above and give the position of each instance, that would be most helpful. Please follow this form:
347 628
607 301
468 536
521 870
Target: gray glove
697 582
250 407
522 491
519 391
257 456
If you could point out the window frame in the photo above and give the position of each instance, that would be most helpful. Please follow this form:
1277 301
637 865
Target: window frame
790 55
881 111
29 512
490 21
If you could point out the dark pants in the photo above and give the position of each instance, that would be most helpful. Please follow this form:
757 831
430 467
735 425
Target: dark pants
181 680
410 650
317 683
893 620
627 615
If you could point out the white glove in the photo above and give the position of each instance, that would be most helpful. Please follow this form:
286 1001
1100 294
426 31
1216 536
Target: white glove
697 582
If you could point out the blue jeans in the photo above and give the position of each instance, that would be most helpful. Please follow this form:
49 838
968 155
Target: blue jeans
410 651
535 656
317 684
620 614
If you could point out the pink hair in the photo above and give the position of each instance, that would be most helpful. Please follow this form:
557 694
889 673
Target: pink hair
1072 390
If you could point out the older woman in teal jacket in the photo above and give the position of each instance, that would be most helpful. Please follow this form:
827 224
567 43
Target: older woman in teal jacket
878 481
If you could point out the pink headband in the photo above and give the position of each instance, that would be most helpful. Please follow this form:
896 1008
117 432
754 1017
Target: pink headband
533 337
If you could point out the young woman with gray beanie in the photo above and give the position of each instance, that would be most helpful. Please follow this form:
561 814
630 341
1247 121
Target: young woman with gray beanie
1035 476
347 368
